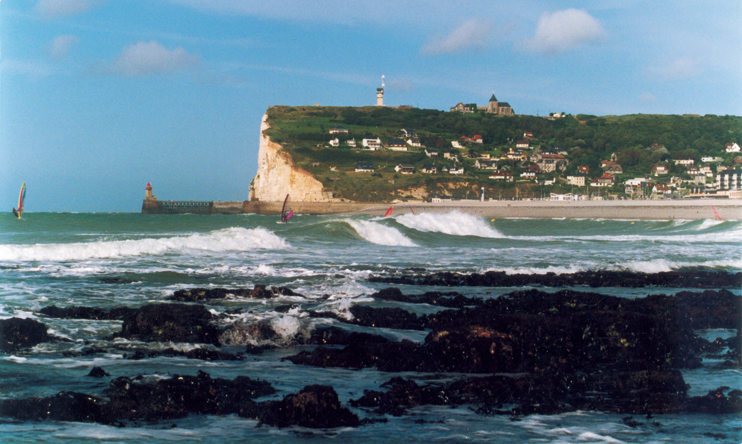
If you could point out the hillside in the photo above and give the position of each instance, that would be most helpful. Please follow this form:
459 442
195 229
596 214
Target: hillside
638 141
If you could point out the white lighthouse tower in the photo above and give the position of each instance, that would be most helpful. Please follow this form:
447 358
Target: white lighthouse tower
380 93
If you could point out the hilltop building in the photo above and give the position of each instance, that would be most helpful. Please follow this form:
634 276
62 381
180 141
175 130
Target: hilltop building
499 108
493 107
380 93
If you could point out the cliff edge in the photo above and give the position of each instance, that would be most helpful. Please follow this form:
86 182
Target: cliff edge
277 175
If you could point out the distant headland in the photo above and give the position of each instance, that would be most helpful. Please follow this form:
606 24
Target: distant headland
351 159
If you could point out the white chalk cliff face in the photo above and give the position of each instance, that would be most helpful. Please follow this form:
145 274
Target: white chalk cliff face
277 175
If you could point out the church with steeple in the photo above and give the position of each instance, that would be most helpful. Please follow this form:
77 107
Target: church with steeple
499 108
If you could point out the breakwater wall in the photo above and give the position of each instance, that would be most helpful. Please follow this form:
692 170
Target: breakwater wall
255 207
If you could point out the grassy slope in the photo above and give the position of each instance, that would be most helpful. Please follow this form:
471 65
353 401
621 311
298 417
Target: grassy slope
304 133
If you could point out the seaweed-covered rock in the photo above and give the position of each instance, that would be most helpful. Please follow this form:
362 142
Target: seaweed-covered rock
171 322
64 406
17 333
315 406
83 312
205 294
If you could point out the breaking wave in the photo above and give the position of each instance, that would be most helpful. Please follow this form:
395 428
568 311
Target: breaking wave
228 239
380 234
454 223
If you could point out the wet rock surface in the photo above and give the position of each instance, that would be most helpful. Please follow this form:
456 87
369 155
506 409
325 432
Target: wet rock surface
17 333
117 313
600 278
171 322
206 294
131 400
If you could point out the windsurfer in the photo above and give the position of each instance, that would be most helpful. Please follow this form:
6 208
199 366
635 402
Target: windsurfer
15 212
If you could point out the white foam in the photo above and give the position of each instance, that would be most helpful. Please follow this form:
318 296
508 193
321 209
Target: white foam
454 223
379 234
229 239
708 223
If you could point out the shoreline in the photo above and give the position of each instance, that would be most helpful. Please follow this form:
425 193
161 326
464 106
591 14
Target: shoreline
640 210
730 209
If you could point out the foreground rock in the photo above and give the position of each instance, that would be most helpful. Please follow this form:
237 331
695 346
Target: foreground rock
171 322
17 333
600 278
534 331
134 400
206 294
113 314
315 406
644 393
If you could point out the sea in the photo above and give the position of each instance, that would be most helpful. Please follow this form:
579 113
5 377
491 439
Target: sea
121 259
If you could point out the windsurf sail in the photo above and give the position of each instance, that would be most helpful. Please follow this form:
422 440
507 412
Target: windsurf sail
21 200
389 212
286 212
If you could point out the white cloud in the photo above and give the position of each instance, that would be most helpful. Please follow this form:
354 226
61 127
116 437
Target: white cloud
151 58
62 8
61 46
562 31
472 34
682 68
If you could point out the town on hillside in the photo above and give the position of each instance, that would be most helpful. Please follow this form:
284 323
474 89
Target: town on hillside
525 165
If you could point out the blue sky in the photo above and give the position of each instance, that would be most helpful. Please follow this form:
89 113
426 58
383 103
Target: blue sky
99 97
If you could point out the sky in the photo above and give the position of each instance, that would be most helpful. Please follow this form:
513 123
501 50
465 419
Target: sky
100 97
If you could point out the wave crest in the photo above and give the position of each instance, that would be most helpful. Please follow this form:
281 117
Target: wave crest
228 239
454 223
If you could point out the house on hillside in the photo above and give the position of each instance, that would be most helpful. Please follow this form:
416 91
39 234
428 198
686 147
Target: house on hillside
576 181
396 145
611 167
405 169
606 180
464 108
712 159
584 169
351 143
364 167
429 168
337 129
659 170
522 145
405 133
485 164
457 170
528 135
431 152
549 162
684 162
732 147
335 142
414 142
372 144
476 139
528 175
502 175
660 191
456 144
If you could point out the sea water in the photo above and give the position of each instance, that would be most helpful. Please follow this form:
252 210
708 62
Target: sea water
112 260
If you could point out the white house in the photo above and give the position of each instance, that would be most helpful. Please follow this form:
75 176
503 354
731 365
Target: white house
732 147
577 181
710 159
372 144
456 144
685 162
335 142
351 143
456 170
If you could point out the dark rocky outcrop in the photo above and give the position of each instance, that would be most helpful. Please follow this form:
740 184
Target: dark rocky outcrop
535 331
654 392
205 294
117 313
315 406
171 322
598 278
17 333
450 299
137 399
